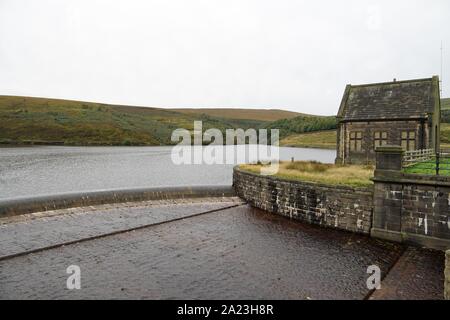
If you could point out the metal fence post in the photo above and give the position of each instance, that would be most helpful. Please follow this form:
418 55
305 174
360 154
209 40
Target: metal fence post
437 163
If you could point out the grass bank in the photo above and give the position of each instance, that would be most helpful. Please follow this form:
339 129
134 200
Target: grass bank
320 139
311 171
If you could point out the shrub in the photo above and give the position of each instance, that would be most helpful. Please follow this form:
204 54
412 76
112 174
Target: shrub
309 166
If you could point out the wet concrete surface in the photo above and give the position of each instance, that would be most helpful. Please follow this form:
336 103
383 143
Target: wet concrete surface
237 253
417 275
40 230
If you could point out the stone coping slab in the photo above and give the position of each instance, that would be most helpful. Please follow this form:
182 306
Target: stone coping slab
23 205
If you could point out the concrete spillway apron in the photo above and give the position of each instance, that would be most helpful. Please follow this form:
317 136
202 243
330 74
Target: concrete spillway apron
71 200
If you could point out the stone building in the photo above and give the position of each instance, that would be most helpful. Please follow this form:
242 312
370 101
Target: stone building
404 113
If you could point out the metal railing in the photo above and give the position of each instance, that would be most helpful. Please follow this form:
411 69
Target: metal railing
427 162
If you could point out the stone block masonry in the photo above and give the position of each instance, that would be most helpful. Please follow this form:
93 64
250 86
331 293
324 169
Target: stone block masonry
412 208
332 206
447 276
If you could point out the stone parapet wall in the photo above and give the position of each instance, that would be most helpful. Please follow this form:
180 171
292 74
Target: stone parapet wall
412 208
400 207
333 206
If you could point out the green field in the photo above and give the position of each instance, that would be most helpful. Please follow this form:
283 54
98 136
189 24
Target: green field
429 167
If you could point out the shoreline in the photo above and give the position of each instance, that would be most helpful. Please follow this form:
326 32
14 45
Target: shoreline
51 144
309 146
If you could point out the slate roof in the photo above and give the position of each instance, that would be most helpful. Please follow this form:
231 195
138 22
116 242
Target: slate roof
391 100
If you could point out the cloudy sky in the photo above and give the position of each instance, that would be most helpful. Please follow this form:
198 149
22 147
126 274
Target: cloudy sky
290 54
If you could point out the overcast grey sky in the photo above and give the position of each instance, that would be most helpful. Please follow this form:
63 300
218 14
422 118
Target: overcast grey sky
294 55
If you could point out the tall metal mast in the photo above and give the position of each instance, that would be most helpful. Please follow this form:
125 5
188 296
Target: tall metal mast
442 63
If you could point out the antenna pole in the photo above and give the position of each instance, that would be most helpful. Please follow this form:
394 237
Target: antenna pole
442 62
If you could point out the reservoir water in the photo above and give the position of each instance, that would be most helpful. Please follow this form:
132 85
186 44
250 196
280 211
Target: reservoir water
46 170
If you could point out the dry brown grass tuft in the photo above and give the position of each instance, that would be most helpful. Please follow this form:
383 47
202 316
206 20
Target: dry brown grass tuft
312 171
308 166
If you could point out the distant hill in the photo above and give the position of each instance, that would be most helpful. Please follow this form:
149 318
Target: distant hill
244 114
445 104
445 110
30 120
39 120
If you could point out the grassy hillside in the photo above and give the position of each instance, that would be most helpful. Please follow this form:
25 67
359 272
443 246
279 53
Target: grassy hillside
445 110
302 124
445 135
51 121
244 114
445 104
319 139
40 120
32 120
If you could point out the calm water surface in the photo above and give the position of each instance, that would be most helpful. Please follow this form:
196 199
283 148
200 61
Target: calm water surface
32 171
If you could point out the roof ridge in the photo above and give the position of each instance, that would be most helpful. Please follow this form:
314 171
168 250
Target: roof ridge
391 82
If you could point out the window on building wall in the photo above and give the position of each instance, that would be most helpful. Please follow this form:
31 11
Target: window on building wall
380 138
409 140
356 141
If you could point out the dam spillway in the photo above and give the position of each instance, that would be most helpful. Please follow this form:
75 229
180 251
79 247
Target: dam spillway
203 248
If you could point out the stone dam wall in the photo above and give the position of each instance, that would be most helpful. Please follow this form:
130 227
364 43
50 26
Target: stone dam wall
337 207
401 207
412 208
447 276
